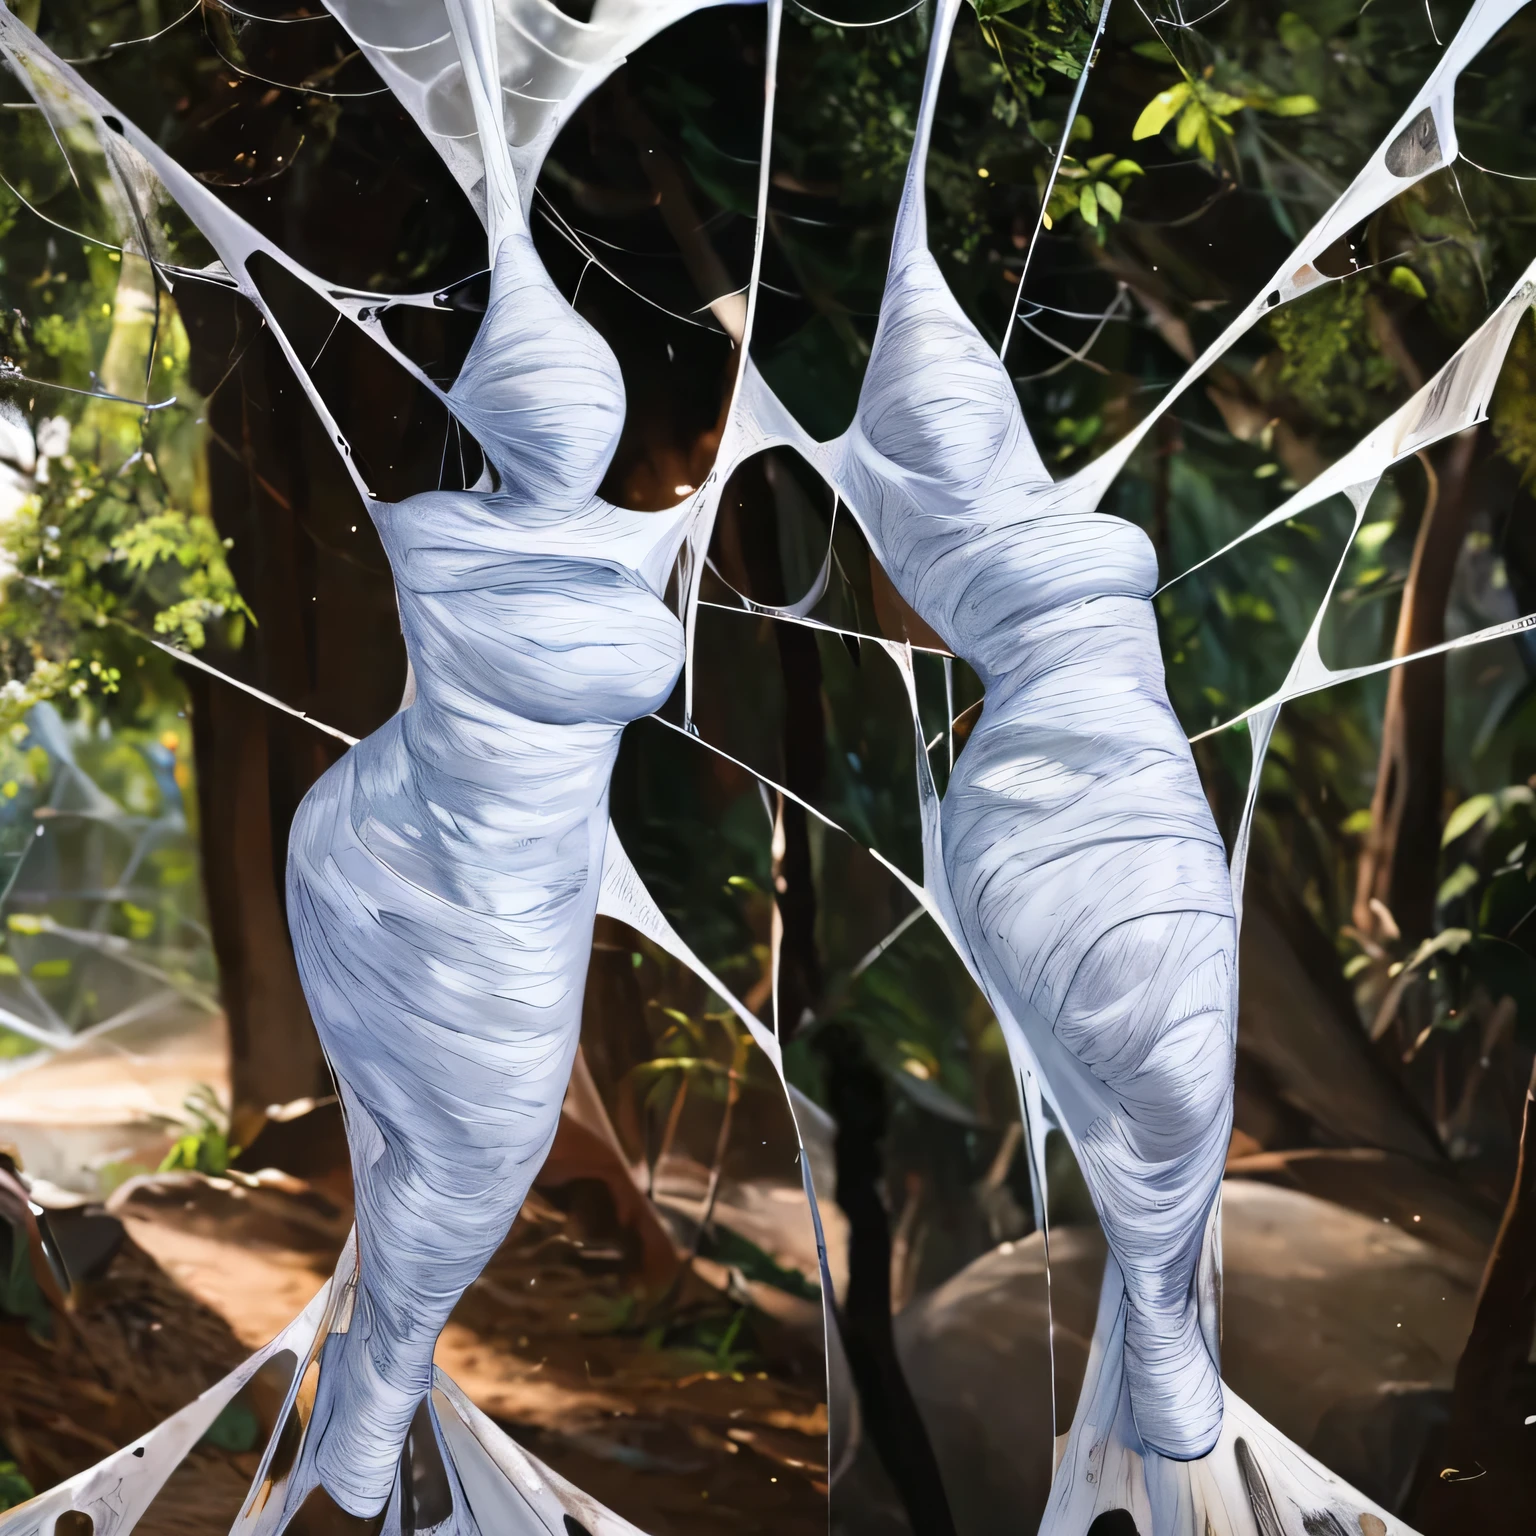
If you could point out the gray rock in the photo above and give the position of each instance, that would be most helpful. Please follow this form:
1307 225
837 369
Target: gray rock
1323 1308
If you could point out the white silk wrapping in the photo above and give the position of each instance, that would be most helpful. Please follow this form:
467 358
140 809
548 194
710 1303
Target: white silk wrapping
1081 859
444 875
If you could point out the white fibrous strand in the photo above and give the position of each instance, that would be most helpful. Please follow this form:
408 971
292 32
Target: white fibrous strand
444 875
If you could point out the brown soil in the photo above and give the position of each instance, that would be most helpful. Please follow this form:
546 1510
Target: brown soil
630 1397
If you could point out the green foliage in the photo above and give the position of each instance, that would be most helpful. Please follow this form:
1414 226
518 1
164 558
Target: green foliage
1090 189
1485 949
1032 40
1199 111
14 1488
736 1252
856 108
1513 408
108 533
715 1342
1329 358
20 1296
114 545
204 1147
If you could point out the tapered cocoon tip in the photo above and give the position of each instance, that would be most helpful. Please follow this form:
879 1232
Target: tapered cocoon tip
361 1420
1175 1386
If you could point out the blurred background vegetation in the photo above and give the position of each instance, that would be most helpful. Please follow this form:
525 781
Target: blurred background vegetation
162 479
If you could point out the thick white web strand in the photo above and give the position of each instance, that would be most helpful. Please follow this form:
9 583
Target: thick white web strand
1455 399
235 242
98 1495
136 160
549 64
58 88
755 420
1152 1494
1480 24
1422 141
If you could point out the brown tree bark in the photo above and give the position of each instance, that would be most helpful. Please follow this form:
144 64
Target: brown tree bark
1299 1026
1504 1322
751 504
278 491
1396 882
274 1053
1480 1474
856 1087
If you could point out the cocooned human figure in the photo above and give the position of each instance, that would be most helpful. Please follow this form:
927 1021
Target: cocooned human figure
1081 858
443 876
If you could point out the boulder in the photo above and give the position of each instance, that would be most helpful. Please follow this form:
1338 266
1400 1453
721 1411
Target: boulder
1323 1307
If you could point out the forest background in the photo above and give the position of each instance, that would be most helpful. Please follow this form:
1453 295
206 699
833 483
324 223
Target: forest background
164 481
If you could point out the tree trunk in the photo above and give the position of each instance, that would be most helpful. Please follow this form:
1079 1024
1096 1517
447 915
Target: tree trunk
274 1053
890 1414
855 1087
277 490
1396 882
1480 1474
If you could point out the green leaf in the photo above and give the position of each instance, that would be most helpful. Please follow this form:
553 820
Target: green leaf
1088 205
1125 168
1192 123
663 1064
1108 199
730 1248
1293 106
1158 112
1449 941
1295 34
1406 280
141 921
51 970
1222 103
1457 883
14 1488
1465 817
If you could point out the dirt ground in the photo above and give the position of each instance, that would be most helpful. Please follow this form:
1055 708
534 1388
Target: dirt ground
687 1397
649 1406
679 1405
